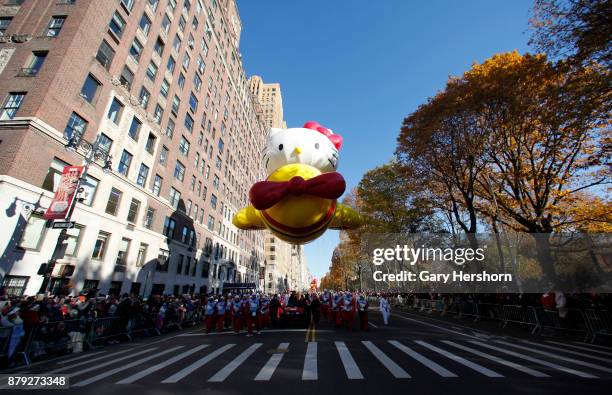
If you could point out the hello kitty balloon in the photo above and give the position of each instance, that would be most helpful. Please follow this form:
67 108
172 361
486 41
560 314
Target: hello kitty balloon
298 201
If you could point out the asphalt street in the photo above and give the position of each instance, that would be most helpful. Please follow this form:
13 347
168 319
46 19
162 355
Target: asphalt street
413 354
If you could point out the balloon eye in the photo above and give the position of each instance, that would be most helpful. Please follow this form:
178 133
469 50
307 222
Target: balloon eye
317 145
280 147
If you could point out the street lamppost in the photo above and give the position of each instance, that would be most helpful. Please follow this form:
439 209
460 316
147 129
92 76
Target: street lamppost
92 152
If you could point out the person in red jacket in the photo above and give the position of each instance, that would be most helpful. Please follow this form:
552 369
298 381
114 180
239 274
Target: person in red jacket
362 306
348 310
237 313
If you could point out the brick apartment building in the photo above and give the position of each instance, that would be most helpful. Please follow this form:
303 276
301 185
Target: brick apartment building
159 84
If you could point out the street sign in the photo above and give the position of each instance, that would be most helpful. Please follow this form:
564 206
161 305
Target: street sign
64 225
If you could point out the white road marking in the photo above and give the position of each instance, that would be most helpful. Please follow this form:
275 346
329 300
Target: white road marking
78 368
536 360
434 326
270 367
123 367
594 345
161 365
481 369
375 326
88 355
351 368
569 351
581 348
310 371
442 371
560 357
391 366
222 374
197 364
262 332
529 371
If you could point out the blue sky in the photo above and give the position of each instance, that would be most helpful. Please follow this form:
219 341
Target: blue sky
359 67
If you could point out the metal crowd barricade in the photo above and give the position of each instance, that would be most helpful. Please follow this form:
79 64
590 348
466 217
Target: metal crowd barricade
521 315
490 311
599 323
143 324
5 340
55 338
108 329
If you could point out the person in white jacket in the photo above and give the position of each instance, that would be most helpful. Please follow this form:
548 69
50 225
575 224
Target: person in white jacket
385 309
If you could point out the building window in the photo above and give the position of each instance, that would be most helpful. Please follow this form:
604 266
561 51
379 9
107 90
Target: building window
72 240
145 24
34 233
115 288
11 105
171 64
165 87
90 89
121 261
176 44
89 285
176 102
136 50
105 54
55 25
189 123
150 145
169 225
124 163
165 25
186 61
117 24
158 114
144 97
100 246
35 63
153 4
133 212
184 146
188 207
148 218
126 78
115 110
181 81
170 128
211 223
162 266
15 285
5 21
193 103
128 4
182 23
175 197
159 46
197 83
213 201
142 255
143 174
163 156
157 184
105 142
134 129
179 264
76 125
152 71
114 199
179 171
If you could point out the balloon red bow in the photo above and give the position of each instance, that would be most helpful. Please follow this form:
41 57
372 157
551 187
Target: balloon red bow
265 194
336 139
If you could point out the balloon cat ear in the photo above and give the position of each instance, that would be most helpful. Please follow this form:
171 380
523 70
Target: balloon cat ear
273 131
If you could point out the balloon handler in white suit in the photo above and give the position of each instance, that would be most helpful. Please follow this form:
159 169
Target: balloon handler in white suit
385 308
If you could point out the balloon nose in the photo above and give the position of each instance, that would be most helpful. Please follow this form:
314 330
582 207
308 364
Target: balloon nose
297 151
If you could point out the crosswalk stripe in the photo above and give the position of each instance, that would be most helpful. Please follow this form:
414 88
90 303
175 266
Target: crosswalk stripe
351 368
442 371
310 371
531 372
560 357
268 370
461 360
391 366
197 364
568 351
222 374
159 366
124 367
594 345
536 360
87 355
581 348
77 369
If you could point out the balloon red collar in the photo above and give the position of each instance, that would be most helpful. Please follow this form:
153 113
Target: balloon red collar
336 139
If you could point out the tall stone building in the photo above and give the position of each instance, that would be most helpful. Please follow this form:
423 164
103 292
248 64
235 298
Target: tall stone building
159 87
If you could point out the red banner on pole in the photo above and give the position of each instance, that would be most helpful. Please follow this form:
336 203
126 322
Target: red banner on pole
65 193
